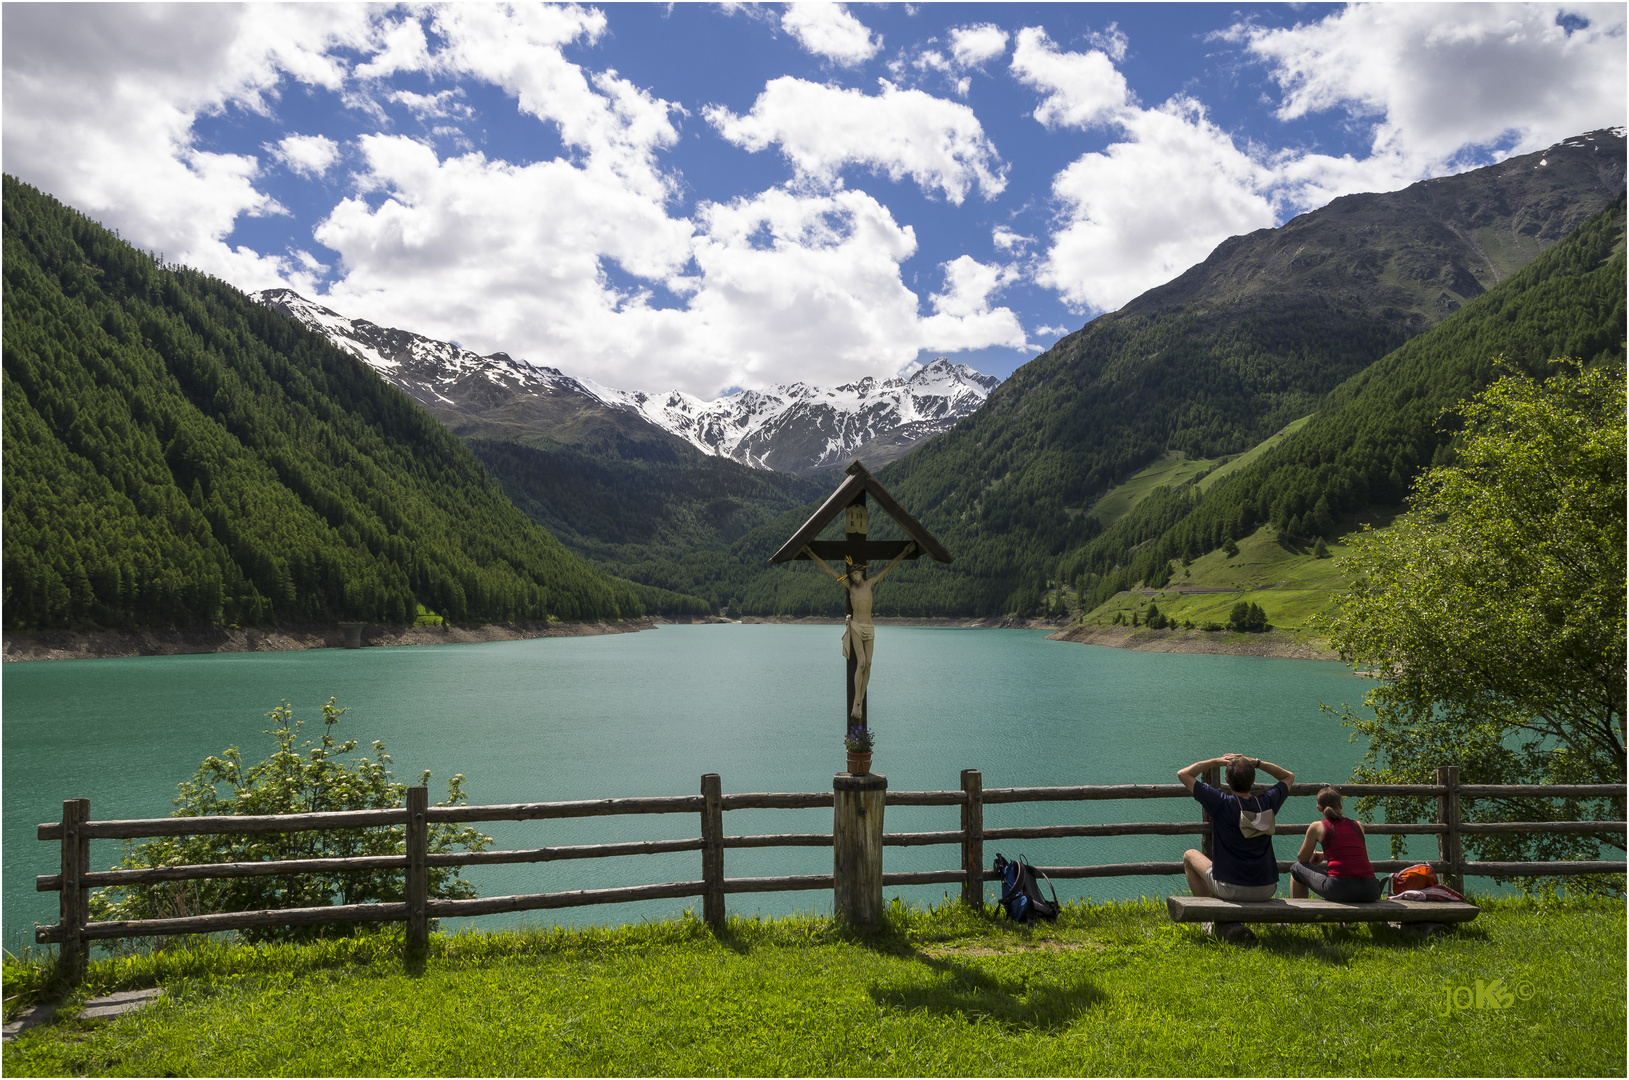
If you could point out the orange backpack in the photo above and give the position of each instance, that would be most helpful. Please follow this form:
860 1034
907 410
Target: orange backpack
1417 876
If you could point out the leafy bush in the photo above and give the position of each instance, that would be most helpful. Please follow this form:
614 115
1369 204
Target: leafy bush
294 779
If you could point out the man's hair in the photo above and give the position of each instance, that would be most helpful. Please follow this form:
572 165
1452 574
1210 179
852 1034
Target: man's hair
1329 801
1241 775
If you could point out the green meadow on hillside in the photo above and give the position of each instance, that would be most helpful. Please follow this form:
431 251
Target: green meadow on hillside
1284 578
1176 469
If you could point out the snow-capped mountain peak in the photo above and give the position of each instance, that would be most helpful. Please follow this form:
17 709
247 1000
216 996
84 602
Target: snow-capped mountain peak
795 427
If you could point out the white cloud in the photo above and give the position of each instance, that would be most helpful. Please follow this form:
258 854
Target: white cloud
1435 84
1118 242
974 46
1081 89
519 49
439 105
827 29
1008 240
963 317
306 155
1435 81
900 133
99 111
458 244
771 287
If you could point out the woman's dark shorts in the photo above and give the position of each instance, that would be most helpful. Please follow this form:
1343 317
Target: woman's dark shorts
1342 890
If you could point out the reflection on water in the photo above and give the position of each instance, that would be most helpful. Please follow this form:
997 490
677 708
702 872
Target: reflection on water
648 713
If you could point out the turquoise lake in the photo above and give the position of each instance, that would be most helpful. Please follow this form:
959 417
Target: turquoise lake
648 713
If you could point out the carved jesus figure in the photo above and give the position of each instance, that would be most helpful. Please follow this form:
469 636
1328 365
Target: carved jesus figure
859 633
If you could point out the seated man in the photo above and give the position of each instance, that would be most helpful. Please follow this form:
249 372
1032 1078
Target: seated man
1243 867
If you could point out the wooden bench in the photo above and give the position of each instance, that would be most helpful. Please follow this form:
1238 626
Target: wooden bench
1192 909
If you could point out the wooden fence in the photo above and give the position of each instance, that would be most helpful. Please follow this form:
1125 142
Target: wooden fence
75 831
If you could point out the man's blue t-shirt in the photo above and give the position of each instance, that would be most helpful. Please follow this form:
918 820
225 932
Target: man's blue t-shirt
1236 858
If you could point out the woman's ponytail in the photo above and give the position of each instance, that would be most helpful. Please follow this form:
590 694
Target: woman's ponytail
1329 801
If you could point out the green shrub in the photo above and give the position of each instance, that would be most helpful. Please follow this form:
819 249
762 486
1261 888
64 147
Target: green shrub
294 779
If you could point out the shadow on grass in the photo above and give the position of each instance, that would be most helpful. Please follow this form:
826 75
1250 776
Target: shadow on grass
1336 944
966 990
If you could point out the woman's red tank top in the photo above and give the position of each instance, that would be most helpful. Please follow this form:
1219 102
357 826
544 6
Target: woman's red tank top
1345 850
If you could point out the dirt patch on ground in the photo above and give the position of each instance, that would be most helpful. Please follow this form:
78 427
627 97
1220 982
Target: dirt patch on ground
63 645
1274 643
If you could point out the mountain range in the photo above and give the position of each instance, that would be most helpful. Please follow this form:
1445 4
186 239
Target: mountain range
795 428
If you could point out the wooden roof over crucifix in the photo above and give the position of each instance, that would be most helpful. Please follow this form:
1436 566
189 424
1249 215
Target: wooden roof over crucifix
854 489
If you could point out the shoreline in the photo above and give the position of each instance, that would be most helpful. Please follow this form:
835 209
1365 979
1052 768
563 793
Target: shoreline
24 646
1276 644
1011 622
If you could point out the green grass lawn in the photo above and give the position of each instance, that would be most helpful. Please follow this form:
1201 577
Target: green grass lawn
1110 989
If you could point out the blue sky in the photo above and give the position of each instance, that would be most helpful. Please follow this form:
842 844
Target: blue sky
705 197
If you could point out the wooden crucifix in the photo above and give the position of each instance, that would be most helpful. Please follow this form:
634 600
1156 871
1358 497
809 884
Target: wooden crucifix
856 550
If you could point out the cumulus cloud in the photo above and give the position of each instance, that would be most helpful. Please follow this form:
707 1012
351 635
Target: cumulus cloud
1434 90
306 155
1113 242
1079 89
1436 82
1116 242
1008 239
974 46
829 30
900 133
773 286
963 317
443 104
99 111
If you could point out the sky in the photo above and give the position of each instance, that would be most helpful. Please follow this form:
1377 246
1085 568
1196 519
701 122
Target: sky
715 197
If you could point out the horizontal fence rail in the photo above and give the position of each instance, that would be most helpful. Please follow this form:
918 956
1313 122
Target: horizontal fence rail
74 930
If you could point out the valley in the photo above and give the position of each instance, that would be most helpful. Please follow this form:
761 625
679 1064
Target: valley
1279 394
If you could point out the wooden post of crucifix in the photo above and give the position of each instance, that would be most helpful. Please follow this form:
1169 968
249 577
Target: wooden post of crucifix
859 793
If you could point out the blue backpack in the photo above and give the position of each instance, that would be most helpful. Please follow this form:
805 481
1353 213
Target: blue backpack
1021 895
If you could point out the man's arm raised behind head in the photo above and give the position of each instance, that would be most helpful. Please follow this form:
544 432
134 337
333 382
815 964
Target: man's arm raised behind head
1192 772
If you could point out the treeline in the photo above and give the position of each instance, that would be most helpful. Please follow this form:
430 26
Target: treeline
176 454
1380 428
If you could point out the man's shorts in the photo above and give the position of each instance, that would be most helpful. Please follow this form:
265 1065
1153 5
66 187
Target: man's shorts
1226 890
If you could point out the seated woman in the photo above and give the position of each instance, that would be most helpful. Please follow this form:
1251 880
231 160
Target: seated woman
1347 876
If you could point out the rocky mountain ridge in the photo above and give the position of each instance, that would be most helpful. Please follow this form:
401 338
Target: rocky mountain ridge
795 428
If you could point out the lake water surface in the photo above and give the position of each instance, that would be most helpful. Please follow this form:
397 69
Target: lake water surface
648 713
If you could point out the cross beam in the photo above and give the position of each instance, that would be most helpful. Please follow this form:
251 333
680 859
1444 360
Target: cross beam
854 489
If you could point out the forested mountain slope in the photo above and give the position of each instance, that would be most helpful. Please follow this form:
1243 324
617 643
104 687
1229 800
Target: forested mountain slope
177 455
1241 345
1379 429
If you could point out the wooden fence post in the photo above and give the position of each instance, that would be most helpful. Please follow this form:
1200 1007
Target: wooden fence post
72 906
857 847
1206 846
712 850
973 839
1448 843
418 876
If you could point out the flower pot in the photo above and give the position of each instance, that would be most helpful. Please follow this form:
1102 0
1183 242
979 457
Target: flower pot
859 764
